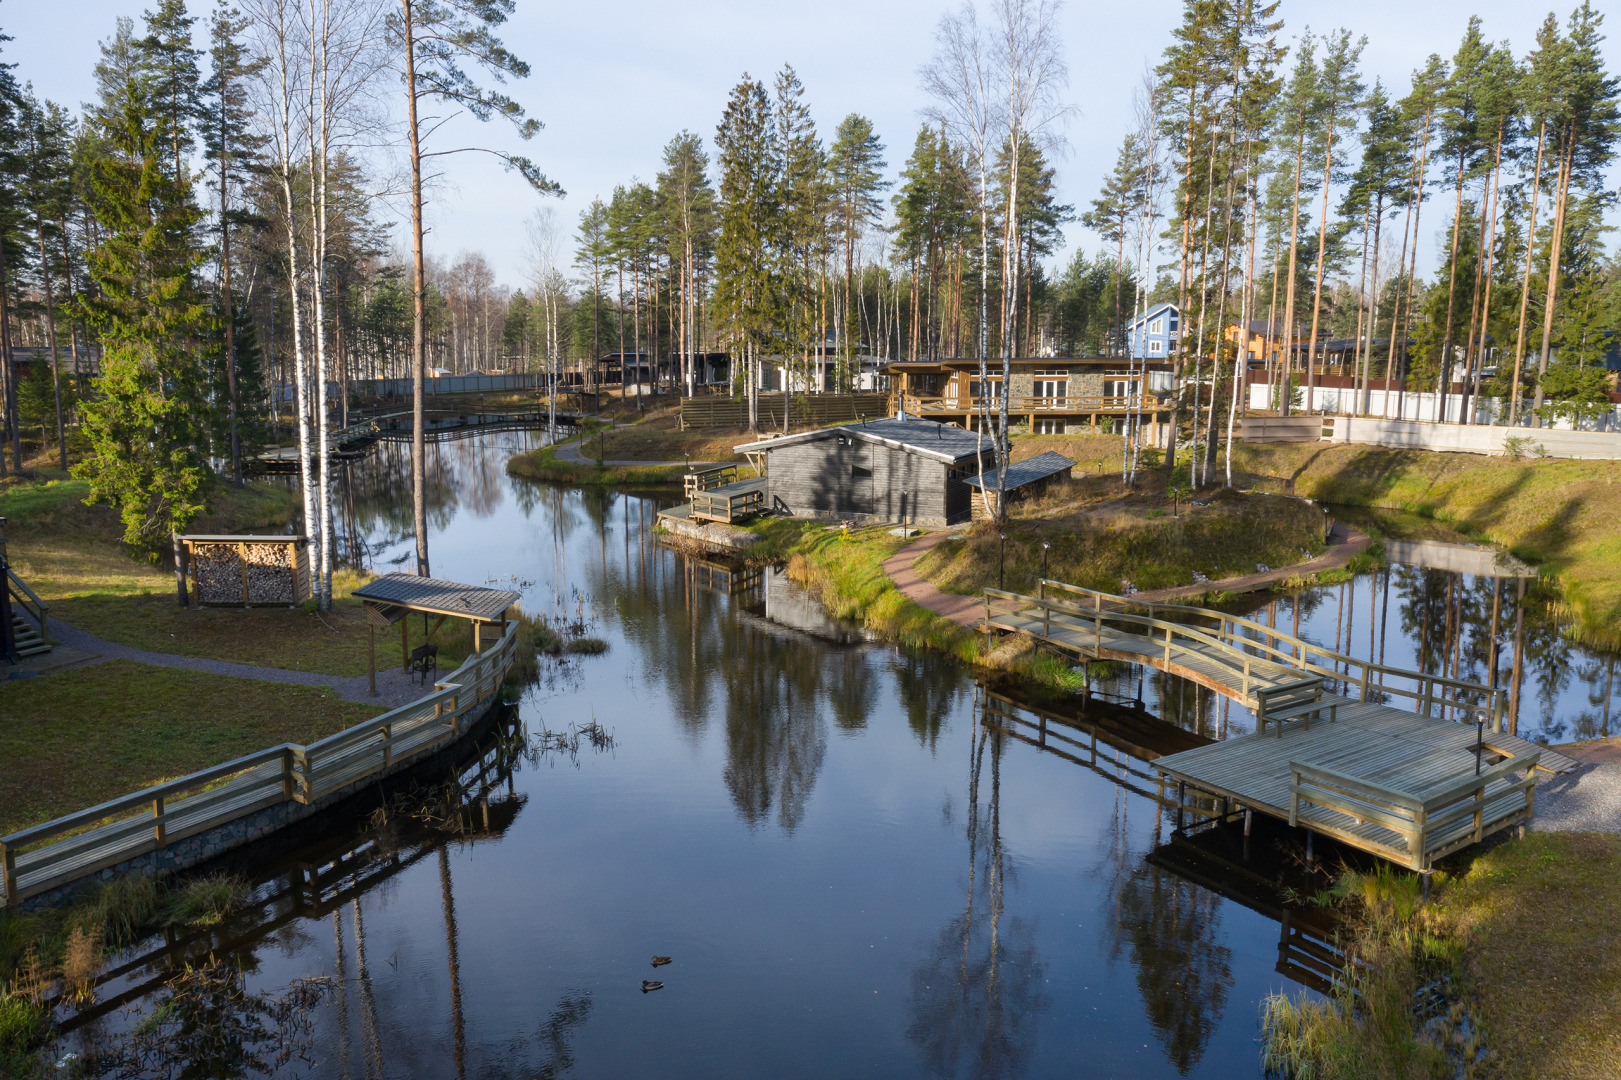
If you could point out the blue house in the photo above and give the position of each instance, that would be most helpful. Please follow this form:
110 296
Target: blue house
1153 333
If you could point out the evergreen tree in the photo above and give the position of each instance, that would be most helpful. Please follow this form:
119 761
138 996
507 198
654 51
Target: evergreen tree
856 164
745 279
169 65
148 424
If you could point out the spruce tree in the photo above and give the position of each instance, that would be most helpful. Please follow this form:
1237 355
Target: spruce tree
148 421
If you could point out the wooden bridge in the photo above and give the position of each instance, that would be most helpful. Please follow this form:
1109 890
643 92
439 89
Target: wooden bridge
1409 784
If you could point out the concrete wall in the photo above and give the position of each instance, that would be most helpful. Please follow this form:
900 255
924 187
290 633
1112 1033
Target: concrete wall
1411 405
1473 438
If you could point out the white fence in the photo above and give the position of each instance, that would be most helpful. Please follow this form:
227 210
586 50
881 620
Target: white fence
1473 438
1416 405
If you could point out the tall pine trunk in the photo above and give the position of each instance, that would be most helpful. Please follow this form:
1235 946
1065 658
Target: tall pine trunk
1525 280
1556 244
419 303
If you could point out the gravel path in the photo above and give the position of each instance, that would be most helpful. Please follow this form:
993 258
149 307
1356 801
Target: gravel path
1589 797
962 610
394 687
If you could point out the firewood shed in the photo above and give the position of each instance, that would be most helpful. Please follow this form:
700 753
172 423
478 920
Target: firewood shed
247 571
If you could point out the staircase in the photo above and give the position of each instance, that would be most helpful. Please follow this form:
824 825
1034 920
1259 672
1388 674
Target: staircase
29 643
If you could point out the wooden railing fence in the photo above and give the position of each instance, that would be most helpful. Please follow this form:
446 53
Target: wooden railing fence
1246 648
24 596
1431 823
46 856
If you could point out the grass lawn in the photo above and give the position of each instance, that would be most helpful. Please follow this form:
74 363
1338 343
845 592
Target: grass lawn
71 555
1557 513
71 739
1538 921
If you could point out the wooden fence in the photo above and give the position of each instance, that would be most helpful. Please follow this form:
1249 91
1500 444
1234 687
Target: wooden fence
1239 653
708 412
44 857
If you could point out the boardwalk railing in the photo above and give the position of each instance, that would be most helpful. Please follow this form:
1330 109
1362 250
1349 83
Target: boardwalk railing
1430 824
928 405
707 479
1242 650
44 857
25 598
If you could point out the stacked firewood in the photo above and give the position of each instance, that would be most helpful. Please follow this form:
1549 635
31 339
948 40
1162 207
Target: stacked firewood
218 571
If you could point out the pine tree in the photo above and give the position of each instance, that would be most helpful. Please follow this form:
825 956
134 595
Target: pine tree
169 64
745 279
45 167
687 216
224 117
856 163
1110 217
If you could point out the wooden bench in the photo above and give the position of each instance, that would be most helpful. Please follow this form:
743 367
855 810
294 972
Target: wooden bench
1301 700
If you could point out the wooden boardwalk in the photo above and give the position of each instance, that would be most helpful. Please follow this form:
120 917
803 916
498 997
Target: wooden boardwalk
1403 783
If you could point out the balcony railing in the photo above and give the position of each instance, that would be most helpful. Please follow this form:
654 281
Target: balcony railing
1020 404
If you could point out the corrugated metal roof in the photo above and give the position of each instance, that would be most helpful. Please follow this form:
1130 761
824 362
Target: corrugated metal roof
946 442
439 597
1025 472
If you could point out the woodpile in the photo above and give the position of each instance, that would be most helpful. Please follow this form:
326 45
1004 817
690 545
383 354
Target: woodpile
245 573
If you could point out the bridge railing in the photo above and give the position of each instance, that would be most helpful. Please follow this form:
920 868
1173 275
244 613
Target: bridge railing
54 853
1237 642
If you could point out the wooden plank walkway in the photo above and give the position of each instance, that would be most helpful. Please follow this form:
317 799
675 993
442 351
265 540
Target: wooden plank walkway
1403 783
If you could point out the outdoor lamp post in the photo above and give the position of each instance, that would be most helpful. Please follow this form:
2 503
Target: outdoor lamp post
1481 716
1001 567
1046 545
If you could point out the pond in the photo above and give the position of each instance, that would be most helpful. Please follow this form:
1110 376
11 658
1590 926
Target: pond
852 874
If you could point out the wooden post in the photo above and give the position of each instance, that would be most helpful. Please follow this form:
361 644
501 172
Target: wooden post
476 627
159 833
405 649
371 659
288 779
242 565
179 570
8 872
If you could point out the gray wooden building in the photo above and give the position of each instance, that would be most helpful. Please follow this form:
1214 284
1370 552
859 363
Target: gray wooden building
911 471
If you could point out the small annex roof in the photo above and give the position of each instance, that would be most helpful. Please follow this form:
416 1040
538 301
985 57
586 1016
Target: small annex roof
1025 472
943 442
438 597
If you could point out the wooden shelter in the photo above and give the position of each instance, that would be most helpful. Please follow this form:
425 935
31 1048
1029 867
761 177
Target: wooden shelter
1024 479
247 571
878 470
392 597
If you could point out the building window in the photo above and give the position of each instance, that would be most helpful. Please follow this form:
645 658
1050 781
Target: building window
1049 425
1155 347
1051 387
978 390
1157 326
857 470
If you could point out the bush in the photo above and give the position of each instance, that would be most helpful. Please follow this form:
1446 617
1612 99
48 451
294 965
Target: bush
205 901
588 646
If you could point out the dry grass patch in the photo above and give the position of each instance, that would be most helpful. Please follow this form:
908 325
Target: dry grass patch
74 738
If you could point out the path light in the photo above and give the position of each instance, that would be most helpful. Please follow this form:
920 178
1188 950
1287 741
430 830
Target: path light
1480 736
1046 545
1001 568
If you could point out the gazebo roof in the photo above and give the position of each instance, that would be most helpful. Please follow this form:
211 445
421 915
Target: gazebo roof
438 597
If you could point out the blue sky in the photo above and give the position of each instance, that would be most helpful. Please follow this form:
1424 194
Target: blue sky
613 82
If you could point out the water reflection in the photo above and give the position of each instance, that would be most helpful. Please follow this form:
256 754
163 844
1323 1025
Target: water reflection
977 996
862 863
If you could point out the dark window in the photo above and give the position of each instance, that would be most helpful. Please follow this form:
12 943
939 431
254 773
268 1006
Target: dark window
857 470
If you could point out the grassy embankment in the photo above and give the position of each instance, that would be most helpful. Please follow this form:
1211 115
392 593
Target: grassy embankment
1101 540
1522 942
1558 514
844 568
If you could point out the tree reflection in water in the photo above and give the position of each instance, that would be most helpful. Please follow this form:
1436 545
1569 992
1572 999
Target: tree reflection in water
1172 930
977 995
928 687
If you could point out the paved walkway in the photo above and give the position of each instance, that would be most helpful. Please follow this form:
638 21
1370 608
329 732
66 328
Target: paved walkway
569 451
962 610
80 648
968 610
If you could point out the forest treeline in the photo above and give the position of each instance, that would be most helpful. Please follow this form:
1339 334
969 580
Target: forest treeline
218 231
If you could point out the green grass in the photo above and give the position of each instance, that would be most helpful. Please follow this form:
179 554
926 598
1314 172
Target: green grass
1559 514
74 738
1522 940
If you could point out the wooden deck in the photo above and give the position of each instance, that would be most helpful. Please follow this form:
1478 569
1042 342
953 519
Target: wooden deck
1401 783
730 503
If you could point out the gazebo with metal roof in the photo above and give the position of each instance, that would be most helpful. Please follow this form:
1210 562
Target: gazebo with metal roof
392 597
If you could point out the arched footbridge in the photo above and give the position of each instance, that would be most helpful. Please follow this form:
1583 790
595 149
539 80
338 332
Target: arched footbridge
1406 765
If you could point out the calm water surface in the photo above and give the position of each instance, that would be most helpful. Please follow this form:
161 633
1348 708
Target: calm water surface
853 875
